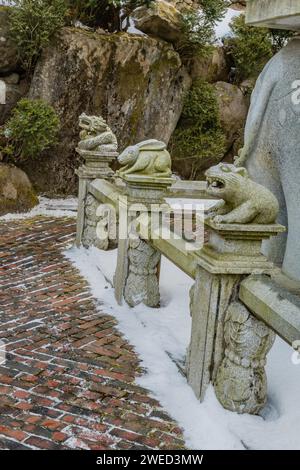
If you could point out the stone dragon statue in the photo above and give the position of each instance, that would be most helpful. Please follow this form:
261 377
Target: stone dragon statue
96 136
243 200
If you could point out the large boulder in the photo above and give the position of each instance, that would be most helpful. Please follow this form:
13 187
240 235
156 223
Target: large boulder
233 109
211 67
16 193
8 51
136 83
14 89
161 19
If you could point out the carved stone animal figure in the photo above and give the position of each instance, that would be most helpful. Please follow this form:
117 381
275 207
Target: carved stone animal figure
272 149
149 158
244 201
96 135
241 383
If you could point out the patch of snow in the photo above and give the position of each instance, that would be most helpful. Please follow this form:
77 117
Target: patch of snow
161 336
62 207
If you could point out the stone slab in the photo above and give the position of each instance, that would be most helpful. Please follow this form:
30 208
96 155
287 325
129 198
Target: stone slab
280 14
274 305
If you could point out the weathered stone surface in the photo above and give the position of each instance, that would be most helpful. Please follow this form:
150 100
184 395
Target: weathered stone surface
209 300
161 19
276 302
95 135
183 5
142 282
136 83
231 252
98 147
241 382
212 68
8 52
271 151
243 200
233 108
280 14
15 90
149 158
16 193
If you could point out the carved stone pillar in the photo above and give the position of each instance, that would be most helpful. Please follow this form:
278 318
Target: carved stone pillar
137 274
99 226
98 148
241 383
142 284
232 252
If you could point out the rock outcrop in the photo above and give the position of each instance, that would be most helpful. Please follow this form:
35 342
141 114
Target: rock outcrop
8 52
161 19
212 67
135 83
16 192
233 109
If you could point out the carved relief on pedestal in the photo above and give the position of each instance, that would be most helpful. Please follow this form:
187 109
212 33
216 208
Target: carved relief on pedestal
241 383
142 282
99 224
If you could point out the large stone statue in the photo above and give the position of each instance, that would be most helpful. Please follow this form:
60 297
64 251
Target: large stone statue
243 200
272 148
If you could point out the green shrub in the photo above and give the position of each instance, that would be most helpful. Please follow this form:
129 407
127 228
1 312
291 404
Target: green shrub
32 128
198 138
32 23
198 27
252 47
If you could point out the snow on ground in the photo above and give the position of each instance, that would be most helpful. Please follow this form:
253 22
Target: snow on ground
64 207
161 336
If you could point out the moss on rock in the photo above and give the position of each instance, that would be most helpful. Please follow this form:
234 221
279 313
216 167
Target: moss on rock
16 192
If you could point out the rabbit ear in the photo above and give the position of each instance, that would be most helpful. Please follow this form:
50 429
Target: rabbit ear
152 144
242 171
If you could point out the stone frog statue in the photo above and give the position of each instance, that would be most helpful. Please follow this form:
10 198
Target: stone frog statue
95 135
272 149
243 200
149 158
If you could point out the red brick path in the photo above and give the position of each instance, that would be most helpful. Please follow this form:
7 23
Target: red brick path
68 381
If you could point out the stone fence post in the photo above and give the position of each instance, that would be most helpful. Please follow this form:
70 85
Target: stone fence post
98 148
228 345
137 274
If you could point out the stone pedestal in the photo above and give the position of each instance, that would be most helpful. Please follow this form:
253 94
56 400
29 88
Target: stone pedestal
232 252
137 274
97 165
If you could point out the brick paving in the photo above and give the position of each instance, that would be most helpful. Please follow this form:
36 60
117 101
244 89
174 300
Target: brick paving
68 382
